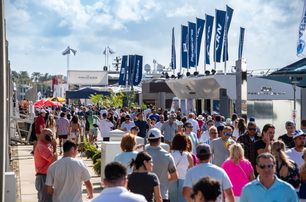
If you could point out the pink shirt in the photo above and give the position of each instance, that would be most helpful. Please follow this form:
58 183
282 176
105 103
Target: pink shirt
43 157
238 174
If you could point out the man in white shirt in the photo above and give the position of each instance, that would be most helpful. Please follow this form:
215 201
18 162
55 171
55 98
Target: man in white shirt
204 169
127 124
160 122
66 175
296 152
115 186
195 124
105 126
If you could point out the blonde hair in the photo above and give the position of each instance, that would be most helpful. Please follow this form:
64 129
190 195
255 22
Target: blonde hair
236 152
128 142
51 121
278 151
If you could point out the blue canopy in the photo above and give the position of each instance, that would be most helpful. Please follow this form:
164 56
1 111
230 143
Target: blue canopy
84 93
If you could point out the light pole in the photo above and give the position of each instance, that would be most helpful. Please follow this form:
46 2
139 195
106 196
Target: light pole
294 81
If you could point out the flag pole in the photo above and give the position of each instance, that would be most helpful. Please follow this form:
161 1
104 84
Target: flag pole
181 50
204 42
105 56
68 62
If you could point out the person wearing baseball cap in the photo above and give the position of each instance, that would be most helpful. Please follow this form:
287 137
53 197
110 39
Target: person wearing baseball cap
288 137
207 169
296 152
163 161
44 156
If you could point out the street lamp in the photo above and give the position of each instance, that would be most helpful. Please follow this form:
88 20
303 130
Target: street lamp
294 81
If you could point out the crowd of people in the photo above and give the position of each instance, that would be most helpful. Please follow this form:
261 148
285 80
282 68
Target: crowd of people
185 157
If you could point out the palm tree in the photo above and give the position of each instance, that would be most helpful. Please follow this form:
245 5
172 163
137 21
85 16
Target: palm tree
36 76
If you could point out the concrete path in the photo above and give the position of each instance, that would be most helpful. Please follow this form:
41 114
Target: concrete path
25 174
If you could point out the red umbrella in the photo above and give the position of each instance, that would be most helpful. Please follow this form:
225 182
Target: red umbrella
49 103
39 103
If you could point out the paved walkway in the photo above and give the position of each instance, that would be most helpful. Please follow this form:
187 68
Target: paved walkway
23 162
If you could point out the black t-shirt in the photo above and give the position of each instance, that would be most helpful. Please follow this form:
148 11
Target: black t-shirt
287 140
259 144
143 127
143 183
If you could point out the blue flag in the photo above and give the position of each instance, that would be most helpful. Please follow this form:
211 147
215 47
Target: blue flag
219 34
200 28
130 68
208 33
229 14
173 52
68 50
137 69
300 50
241 40
192 37
123 70
184 47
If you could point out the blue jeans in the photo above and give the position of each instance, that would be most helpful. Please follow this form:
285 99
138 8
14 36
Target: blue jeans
175 191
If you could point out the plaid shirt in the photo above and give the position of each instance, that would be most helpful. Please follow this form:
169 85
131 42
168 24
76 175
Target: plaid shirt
248 146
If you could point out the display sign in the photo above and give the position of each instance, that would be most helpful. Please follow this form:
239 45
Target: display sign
81 77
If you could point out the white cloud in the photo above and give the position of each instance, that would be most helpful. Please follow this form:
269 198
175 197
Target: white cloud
44 28
185 10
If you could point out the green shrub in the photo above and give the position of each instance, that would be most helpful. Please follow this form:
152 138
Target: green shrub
96 156
97 167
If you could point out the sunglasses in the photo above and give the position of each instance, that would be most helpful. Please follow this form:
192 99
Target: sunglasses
189 126
253 129
262 166
227 134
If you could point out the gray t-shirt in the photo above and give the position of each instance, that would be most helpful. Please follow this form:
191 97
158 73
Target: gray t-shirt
169 130
163 164
219 150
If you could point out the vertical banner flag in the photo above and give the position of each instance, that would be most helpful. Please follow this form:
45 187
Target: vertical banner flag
130 69
192 44
219 33
122 75
300 50
200 28
228 19
184 47
173 52
137 70
241 40
208 33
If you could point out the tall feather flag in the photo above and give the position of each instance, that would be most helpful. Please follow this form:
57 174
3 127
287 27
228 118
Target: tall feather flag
192 43
300 50
219 34
200 28
173 52
184 46
228 19
137 70
108 50
241 41
68 50
209 23
123 70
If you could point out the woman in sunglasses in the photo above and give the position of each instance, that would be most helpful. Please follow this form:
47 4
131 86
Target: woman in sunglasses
286 169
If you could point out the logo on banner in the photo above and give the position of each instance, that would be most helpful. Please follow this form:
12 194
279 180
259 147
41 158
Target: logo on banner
218 36
208 45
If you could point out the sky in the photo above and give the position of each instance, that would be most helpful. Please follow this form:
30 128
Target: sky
38 31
